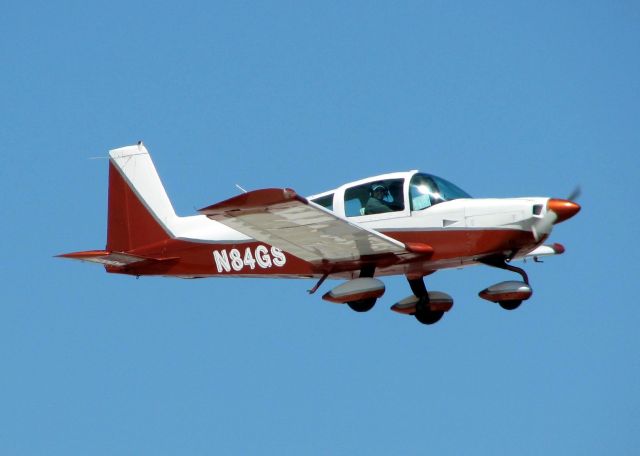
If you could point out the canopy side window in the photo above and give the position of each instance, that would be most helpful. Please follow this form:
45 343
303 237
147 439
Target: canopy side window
325 201
374 198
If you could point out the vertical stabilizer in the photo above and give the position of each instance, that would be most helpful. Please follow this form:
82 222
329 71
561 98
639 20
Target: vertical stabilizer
140 212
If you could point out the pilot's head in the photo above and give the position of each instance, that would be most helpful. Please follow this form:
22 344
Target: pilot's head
378 191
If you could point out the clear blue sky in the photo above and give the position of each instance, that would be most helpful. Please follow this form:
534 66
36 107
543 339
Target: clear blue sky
502 98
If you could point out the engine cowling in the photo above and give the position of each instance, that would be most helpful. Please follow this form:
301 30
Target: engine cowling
438 301
511 290
356 290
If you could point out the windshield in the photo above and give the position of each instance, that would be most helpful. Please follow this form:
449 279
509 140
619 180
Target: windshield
425 190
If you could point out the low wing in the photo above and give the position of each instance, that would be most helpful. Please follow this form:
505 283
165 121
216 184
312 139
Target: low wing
282 218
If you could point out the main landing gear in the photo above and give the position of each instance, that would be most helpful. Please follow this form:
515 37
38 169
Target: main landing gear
423 312
365 304
359 294
427 306
362 305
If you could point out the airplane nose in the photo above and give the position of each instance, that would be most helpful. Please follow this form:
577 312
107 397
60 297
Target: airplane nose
565 209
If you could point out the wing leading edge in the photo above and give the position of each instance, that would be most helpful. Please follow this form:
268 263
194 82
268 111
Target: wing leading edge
282 218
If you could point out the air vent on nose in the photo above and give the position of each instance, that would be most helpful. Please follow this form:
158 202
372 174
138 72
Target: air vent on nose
537 209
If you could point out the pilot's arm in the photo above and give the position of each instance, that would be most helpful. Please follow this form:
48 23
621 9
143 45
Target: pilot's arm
376 206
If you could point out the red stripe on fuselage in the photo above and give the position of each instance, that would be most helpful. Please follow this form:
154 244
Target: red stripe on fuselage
451 248
449 244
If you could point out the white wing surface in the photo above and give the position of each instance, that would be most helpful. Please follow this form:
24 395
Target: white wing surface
282 218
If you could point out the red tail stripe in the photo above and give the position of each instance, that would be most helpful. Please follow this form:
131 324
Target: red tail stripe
130 225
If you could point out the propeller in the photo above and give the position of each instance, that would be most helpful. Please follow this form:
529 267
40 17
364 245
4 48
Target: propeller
558 210
544 225
575 194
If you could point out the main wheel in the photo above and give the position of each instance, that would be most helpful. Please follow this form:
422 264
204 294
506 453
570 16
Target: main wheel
428 317
362 305
510 305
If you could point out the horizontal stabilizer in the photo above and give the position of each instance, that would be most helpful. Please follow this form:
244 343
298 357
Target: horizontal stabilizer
113 259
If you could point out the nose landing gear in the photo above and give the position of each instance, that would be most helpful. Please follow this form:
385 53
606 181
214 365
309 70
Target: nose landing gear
510 305
510 294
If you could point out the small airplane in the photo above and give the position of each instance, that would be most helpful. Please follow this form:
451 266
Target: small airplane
404 223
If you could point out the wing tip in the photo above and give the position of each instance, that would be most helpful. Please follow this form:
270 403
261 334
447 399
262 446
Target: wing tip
83 255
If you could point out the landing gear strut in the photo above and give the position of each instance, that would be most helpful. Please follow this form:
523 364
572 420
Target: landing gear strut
501 263
423 314
364 305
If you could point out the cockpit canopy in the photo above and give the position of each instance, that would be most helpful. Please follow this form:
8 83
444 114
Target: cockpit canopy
391 193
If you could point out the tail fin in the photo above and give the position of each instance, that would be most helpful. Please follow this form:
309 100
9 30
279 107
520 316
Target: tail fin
140 212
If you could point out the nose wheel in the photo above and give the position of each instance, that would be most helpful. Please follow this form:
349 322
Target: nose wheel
510 294
510 305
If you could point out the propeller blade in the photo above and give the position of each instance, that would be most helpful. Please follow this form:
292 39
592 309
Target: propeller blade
575 194
544 225
558 210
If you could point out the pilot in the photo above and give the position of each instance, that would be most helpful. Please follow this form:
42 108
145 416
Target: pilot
376 203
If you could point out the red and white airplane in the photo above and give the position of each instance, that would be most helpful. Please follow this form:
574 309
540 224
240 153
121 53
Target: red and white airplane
408 223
